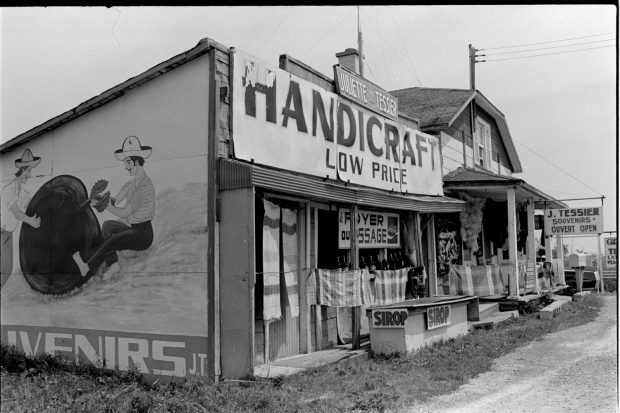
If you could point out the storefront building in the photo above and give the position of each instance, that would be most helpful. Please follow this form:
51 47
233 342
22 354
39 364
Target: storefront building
196 220
489 249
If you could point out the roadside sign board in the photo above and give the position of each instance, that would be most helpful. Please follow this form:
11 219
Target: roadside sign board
389 318
437 317
374 229
574 221
611 253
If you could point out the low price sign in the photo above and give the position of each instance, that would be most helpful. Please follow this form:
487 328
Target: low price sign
574 221
611 252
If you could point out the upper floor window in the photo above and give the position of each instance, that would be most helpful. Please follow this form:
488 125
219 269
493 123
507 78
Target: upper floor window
482 144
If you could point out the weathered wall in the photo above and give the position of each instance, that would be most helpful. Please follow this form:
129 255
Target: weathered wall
152 314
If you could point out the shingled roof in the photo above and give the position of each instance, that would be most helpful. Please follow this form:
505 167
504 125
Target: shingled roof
432 106
438 108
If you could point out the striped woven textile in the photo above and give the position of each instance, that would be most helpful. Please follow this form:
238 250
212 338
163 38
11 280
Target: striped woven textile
311 288
337 288
390 286
271 262
481 280
290 258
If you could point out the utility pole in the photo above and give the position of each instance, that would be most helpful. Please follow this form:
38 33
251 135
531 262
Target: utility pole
472 66
360 46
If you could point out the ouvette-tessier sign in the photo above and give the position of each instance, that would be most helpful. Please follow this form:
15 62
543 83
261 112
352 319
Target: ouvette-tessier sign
284 121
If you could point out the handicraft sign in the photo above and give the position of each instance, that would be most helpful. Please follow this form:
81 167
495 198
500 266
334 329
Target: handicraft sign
374 229
284 121
574 221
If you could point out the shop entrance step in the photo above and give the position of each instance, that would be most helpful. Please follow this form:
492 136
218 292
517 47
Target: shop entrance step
487 309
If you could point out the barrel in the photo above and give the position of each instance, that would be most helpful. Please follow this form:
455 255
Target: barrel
46 253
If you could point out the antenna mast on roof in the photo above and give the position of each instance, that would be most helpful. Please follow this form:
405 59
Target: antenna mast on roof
359 42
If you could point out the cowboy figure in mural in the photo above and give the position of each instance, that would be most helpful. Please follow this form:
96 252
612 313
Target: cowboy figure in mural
135 232
15 200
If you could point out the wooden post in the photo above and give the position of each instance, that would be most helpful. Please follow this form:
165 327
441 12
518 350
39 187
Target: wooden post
318 326
512 241
432 257
266 335
531 241
355 313
560 255
302 278
600 263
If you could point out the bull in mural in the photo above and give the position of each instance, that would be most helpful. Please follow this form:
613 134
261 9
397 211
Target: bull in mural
68 246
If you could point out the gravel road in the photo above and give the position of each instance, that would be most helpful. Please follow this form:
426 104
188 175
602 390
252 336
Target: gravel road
573 370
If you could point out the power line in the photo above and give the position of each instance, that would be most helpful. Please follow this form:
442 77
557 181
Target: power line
382 49
326 34
275 28
395 52
544 54
546 48
551 163
402 38
552 41
370 68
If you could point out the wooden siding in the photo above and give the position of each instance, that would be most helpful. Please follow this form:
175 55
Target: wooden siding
452 144
497 144
451 153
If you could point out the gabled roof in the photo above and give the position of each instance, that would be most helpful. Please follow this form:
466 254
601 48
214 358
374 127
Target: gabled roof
488 184
432 106
203 46
439 108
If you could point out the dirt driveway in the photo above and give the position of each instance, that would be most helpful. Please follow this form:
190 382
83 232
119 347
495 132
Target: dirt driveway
574 370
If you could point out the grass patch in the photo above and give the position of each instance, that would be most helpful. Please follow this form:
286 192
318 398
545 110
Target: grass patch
48 383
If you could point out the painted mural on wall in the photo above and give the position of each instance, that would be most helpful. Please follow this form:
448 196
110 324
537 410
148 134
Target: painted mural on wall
107 267
15 199
63 245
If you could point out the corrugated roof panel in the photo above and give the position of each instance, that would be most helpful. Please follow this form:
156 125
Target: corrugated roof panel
233 174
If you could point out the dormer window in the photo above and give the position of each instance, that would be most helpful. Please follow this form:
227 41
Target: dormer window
482 144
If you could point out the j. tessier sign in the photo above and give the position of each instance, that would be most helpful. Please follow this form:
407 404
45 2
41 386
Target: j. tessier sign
282 120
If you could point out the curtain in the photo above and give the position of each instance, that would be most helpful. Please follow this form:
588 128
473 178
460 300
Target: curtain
271 262
290 262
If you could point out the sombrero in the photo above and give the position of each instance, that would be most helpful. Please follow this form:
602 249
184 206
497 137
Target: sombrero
27 160
132 147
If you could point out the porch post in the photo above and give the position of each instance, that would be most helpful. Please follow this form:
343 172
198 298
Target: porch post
355 311
559 245
304 253
432 257
531 241
512 241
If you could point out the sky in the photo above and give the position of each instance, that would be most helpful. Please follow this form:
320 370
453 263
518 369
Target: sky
550 69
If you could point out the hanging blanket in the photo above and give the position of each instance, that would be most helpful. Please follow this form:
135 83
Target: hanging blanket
290 258
481 280
311 288
390 286
337 288
271 262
